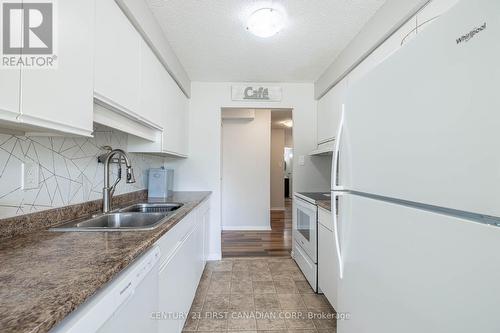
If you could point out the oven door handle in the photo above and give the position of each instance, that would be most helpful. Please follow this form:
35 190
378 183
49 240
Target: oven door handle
336 234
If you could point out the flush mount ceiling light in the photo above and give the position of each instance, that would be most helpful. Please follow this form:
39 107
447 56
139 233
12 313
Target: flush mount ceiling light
287 123
265 22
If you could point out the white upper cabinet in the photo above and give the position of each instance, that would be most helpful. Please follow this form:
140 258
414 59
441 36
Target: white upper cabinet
117 59
153 103
60 99
10 80
163 102
431 12
175 128
329 111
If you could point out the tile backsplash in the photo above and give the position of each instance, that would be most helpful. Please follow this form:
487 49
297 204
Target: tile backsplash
68 170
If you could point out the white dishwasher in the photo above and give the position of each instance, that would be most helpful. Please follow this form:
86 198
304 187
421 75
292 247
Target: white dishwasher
126 304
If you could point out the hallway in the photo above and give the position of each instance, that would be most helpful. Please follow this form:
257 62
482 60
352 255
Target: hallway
274 243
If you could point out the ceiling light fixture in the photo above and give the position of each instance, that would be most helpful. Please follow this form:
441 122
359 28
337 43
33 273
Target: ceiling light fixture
287 123
265 22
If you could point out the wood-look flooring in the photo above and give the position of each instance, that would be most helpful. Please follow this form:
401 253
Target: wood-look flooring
274 243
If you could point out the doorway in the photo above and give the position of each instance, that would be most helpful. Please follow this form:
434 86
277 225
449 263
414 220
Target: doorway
257 178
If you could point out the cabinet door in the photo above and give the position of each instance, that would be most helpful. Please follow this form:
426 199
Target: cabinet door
61 99
153 106
204 220
329 111
10 80
179 278
431 13
117 58
175 129
328 272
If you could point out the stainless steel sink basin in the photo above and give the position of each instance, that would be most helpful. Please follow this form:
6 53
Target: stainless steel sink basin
144 216
152 208
116 222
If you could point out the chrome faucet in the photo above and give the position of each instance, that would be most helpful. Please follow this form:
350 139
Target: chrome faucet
108 190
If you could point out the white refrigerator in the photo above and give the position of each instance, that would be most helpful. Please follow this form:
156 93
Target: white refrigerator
416 183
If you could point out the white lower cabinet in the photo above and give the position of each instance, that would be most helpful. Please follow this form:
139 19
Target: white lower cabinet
328 273
182 265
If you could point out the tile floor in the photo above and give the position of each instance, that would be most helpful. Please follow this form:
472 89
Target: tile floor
258 295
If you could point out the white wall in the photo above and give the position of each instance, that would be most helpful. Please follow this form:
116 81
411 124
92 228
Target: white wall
277 169
245 172
202 170
385 22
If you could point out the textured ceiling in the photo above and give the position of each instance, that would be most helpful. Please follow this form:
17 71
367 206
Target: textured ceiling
210 39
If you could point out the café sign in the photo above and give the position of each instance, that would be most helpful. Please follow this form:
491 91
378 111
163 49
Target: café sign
256 93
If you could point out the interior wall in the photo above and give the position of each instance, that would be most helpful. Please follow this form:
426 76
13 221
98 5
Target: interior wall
289 137
245 172
202 170
68 170
277 169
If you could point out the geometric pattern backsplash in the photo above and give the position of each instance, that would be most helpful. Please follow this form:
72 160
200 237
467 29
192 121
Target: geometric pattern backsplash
68 170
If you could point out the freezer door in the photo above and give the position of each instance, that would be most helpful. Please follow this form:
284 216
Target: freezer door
413 271
424 126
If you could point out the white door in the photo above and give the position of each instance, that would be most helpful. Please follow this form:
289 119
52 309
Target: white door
409 270
423 126
246 160
61 99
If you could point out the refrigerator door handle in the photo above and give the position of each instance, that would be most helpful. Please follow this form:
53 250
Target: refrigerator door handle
336 234
336 154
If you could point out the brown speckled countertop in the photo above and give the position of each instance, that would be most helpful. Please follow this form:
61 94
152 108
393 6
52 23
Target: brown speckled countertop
326 204
46 275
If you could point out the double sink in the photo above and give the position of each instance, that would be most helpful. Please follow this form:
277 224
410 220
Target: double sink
143 216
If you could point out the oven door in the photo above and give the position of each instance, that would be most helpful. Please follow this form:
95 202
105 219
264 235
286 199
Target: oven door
304 226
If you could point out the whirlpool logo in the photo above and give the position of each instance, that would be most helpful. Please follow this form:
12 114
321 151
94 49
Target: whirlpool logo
467 37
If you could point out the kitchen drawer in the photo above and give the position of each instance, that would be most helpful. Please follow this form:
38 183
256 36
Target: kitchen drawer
325 218
306 265
174 237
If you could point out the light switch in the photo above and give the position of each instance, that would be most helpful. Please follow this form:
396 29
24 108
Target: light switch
302 160
31 175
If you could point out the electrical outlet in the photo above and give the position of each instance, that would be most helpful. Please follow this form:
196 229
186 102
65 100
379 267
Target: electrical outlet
31 175
302 160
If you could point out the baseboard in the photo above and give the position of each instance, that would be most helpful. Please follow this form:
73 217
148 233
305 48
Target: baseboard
214 256
278 208
245 228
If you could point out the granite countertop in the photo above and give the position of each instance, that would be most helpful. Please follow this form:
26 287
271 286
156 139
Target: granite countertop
46 275
326 204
